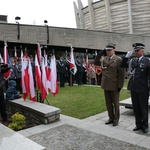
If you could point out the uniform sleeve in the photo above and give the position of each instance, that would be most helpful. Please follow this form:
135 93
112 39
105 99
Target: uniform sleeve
121 75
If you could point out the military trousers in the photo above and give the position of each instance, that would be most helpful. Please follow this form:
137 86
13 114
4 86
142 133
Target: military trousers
112 104
140 108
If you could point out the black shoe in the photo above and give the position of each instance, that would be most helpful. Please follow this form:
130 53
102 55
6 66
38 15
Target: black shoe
115 123
109 122
136 128
145 130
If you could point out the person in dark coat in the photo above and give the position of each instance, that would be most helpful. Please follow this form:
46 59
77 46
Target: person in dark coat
18 75
85 67
3 78
62 69
79 73
139 70
112 82
97 63
11 92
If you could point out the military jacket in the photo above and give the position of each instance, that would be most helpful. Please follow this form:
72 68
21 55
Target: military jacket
140 75
112 73
61 66
79 66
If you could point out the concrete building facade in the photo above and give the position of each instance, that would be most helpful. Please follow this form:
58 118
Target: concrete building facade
122 16
61 39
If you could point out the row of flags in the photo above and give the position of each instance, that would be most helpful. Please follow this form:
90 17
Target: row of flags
45 76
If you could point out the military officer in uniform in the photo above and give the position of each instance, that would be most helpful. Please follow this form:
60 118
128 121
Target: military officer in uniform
139 70
79 73
112 82
62 69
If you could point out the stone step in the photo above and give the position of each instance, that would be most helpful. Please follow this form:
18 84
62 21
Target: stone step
11 140
128 103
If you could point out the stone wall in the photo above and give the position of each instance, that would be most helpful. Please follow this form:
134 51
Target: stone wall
35 112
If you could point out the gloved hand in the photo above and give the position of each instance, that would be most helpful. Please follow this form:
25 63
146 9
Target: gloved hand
129 54
103 52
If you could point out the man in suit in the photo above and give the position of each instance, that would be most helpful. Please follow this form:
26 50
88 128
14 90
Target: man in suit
112 82
139 69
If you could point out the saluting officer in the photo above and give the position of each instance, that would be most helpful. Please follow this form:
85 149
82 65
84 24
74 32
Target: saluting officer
112 82
139 69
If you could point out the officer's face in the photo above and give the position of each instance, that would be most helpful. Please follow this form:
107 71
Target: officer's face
110 52
139 52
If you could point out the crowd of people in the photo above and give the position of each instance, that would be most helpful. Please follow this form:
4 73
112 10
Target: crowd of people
87 73
107 70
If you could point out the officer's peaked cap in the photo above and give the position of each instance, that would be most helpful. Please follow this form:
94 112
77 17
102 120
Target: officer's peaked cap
110 46
138 46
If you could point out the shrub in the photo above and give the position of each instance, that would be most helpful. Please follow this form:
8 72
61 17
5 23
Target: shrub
18 122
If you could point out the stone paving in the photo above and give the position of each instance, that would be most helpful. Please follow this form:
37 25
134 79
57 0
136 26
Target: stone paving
90 134
67 137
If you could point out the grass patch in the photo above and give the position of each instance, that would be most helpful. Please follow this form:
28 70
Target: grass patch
81 101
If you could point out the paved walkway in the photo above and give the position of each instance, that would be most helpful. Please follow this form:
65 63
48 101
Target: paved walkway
90 134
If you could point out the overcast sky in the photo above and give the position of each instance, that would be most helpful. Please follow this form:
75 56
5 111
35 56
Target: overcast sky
59 13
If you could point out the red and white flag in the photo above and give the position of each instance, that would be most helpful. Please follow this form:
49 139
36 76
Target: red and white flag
25 53
39 55
47 69
73 68
53 76
25 78
15 53
5 54
44 86
31 83
21 54
37 73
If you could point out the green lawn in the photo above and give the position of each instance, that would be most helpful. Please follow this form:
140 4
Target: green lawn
81 101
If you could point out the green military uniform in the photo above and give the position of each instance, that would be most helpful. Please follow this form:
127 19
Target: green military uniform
112 82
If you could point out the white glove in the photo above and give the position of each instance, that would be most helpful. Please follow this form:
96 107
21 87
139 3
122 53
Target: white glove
129 54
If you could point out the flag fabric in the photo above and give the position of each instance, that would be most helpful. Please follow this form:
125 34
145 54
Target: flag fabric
95 52
24 78
15 53
5 54
31 83
21 54
25 54
37 73
73 68
39 55
1 59
53 76
9 62
47 70
44 87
